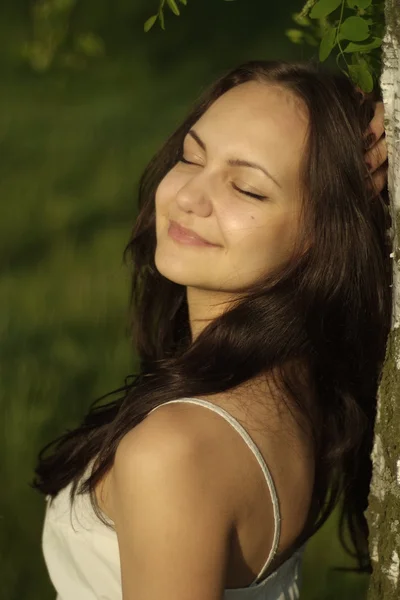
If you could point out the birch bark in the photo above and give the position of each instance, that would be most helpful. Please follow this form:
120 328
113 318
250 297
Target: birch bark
383 513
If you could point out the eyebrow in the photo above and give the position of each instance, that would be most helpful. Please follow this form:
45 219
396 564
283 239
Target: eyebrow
235 162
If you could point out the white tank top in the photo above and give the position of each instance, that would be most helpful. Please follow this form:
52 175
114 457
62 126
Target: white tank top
83 562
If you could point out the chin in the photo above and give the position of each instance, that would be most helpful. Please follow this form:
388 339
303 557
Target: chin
171 269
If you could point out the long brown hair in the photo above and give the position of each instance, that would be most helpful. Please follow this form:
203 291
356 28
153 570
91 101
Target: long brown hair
329 306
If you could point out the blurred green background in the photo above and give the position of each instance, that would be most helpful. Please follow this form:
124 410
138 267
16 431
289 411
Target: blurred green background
74 141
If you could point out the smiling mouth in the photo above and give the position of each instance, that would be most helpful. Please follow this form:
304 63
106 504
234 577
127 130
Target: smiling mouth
180 236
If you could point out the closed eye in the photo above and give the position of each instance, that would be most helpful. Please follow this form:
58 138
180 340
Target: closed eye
251 194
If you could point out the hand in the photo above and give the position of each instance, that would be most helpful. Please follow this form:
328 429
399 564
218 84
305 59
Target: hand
376 150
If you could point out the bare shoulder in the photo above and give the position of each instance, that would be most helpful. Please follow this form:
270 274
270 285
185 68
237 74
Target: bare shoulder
171 428
183 441
171 512
177 436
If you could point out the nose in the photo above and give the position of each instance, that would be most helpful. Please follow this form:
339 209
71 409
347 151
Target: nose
195 195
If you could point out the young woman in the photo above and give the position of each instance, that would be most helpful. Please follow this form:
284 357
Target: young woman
261 306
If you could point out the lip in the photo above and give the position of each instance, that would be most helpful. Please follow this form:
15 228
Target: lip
186 236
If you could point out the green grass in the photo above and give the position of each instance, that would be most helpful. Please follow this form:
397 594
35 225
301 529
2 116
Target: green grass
72 149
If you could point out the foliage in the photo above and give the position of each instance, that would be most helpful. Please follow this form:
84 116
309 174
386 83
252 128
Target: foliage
353 28
173 5
343 24
330 24
51 37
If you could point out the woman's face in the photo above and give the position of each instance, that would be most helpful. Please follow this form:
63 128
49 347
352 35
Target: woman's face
255 123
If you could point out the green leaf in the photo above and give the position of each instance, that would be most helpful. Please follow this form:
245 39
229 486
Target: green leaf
360 3
324 8
376 43
362 77
311 39
150 22
174 7
162 20
327 43
295 35
183 2
354 29
90 44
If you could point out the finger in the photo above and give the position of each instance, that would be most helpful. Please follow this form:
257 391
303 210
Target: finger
377 155
361 93
378 180
377 125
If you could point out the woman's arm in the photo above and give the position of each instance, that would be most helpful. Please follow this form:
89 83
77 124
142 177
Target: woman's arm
172 513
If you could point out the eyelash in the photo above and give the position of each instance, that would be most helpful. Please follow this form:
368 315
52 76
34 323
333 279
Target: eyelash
256 196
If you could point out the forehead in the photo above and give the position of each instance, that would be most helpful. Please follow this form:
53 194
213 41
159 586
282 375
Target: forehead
268 104
265 121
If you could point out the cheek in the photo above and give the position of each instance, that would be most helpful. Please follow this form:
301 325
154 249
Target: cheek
164 197
168 188
283 235
272 240
162 193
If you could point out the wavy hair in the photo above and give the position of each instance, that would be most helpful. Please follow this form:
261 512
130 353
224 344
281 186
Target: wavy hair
328 308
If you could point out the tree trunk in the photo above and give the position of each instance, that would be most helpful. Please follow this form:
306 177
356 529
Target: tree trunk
383 513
